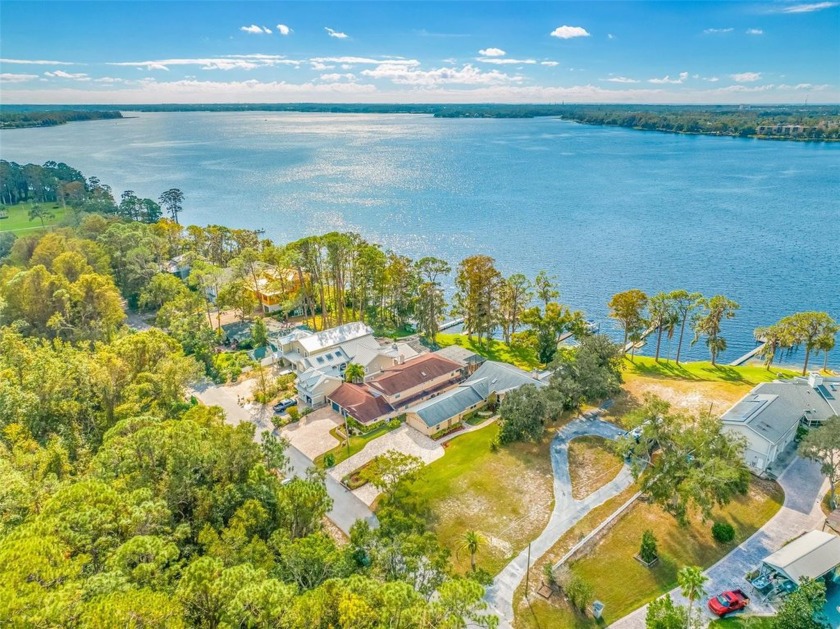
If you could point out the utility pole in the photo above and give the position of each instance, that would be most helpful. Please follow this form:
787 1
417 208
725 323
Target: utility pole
528 571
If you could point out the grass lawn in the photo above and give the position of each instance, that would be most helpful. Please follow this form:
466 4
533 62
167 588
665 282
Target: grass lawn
506 496
522 357
592 464
556 612
753 622
610 565
357 443
19 223
691 387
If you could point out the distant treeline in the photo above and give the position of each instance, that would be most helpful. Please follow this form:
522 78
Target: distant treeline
23 119
787 122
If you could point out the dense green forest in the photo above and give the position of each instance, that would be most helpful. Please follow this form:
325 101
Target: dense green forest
783 122
22 119
126 503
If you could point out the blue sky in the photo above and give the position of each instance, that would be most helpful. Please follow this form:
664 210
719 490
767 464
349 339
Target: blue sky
617 52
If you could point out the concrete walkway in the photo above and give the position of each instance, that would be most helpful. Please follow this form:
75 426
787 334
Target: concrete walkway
347 508
803 485
567 511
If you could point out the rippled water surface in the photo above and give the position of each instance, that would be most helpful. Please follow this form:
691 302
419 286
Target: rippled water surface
603 209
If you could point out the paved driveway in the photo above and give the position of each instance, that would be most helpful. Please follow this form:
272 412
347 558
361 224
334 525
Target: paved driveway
404 439
347 508
311 435
567 511
804 485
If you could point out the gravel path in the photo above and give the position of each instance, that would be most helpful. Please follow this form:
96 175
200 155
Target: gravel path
567 511
803 485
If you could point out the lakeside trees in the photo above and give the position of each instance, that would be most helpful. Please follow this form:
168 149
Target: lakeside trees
714 311
815 331
628 308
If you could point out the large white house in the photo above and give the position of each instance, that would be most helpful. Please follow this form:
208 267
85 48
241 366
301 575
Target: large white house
770 414
320 358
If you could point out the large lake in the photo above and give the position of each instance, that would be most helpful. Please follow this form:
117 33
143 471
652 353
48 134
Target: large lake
603 209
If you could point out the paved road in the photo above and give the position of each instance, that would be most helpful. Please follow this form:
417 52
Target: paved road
804 485
347 508
567 511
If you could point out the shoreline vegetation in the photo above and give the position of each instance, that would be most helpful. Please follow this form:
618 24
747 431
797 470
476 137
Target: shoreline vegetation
28 119
814 123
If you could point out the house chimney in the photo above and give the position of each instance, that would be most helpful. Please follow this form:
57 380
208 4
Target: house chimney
814 379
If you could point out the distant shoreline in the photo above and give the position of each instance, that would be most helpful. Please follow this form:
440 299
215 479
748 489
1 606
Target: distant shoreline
816 123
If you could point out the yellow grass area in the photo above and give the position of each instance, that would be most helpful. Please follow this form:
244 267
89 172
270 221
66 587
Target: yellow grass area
592 464
690 387
505 496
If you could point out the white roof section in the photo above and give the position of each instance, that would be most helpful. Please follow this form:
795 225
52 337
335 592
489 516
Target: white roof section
332 358
311 379
319 341
812 555
771 409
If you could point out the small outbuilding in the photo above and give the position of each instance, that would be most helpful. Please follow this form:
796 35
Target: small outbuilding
814 555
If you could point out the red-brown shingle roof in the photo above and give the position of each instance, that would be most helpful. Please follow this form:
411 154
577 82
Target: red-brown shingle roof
360 403
415 372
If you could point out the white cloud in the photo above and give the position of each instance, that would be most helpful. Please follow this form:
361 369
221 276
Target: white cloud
711 79
8 77
620 79
108 79
317 65
335 77
61 74
365 60
225 62
668 80
492 52
746 77
336 34
39 62
806 8
505 61
569 32
717 31
253 29
754 31
283 29
467 75
550 64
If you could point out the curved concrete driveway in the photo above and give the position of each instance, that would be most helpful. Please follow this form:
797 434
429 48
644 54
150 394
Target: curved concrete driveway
803 484
567 511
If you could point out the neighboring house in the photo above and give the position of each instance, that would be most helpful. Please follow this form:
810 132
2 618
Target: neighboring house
272 287
770 414
315 386
179 266
466 358
448 409
388 393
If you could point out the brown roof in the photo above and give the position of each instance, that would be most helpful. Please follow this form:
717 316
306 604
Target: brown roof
413 373
360 403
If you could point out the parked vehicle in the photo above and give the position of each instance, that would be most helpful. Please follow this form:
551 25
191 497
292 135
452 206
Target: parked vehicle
283 405
728 602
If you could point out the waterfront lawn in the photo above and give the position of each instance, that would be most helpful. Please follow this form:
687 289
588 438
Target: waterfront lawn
592 464
692 387
506 496
610 565
18 221
357 443
522 357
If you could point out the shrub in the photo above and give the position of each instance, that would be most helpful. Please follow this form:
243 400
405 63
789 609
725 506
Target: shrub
723 532
579 593
294 413
647 552
548 573
329 459
495 445
394 423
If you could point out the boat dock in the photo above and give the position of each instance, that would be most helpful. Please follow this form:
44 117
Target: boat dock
748 356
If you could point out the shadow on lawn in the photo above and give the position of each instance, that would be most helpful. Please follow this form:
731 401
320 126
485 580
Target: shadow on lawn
672 370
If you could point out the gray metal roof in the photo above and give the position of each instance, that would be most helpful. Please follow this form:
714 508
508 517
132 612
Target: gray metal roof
491 377
811 555
771 409
460 355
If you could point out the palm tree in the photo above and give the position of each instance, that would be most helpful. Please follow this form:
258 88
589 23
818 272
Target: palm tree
354 373
826 344
685 304
661 309
471 542
691 580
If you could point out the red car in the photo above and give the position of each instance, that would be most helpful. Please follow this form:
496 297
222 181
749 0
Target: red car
728 602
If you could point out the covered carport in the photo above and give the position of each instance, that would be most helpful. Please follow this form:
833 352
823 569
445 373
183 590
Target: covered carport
814 555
